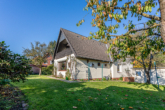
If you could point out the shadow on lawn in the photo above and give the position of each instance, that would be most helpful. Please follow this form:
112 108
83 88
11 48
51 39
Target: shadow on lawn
145 85
53 94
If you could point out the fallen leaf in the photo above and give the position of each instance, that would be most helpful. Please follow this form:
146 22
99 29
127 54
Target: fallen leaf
125 98
142 102
130 107
126 95
78 99
74 107
122 108
107 103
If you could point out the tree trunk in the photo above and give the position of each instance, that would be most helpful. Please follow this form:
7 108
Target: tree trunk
148 76
40 71
162 12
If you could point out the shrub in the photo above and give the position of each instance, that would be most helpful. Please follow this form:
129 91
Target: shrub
15 67
68 74
104 79
48 70
97 80
94 79
121 78
81 80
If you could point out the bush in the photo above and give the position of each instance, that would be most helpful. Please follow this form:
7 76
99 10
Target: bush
121 78
104 79
81 80
97 80
15 67
94 79
68 74
48 70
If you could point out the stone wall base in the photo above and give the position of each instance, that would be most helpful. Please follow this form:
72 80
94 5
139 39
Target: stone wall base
128 79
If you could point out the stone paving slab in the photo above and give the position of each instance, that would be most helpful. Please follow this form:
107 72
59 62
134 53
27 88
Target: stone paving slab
68 81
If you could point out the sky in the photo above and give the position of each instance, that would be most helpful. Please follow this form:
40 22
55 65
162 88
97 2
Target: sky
26 21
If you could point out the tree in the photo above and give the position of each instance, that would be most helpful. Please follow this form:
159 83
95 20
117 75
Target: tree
159 58
107 10
37 54
13 67
51 47
141 47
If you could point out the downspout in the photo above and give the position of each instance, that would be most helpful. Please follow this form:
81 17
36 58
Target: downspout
110 62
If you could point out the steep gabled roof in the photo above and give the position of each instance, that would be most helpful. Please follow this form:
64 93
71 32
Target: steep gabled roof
84 48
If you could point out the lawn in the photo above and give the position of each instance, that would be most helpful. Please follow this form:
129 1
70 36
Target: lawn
44 93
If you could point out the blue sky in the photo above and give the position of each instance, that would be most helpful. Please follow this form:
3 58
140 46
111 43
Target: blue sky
26 21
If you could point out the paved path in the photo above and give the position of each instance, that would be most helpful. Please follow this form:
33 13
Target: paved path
63 80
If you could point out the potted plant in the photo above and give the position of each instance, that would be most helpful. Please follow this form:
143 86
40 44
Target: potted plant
67 74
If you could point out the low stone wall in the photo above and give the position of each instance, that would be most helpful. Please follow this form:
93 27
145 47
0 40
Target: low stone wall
128 79
115 78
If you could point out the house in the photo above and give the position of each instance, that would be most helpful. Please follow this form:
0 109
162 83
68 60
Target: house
140 76
91 61
48 62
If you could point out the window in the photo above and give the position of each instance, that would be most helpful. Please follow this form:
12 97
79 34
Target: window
50 62
99 64
93 65
87 61
138 73
46 62
119 68
105 65
62 66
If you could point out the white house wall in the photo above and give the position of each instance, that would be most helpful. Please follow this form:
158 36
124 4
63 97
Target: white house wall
56 61
95 72
124 66
153 79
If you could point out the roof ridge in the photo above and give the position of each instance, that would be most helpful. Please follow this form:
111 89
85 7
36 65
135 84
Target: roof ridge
73 32
82 35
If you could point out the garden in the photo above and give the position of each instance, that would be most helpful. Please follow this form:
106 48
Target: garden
46 94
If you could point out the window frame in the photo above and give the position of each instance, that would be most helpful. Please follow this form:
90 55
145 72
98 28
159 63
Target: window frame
119 68
93 65
65 68
138 74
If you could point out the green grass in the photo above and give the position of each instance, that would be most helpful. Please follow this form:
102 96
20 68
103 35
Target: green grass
49 94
